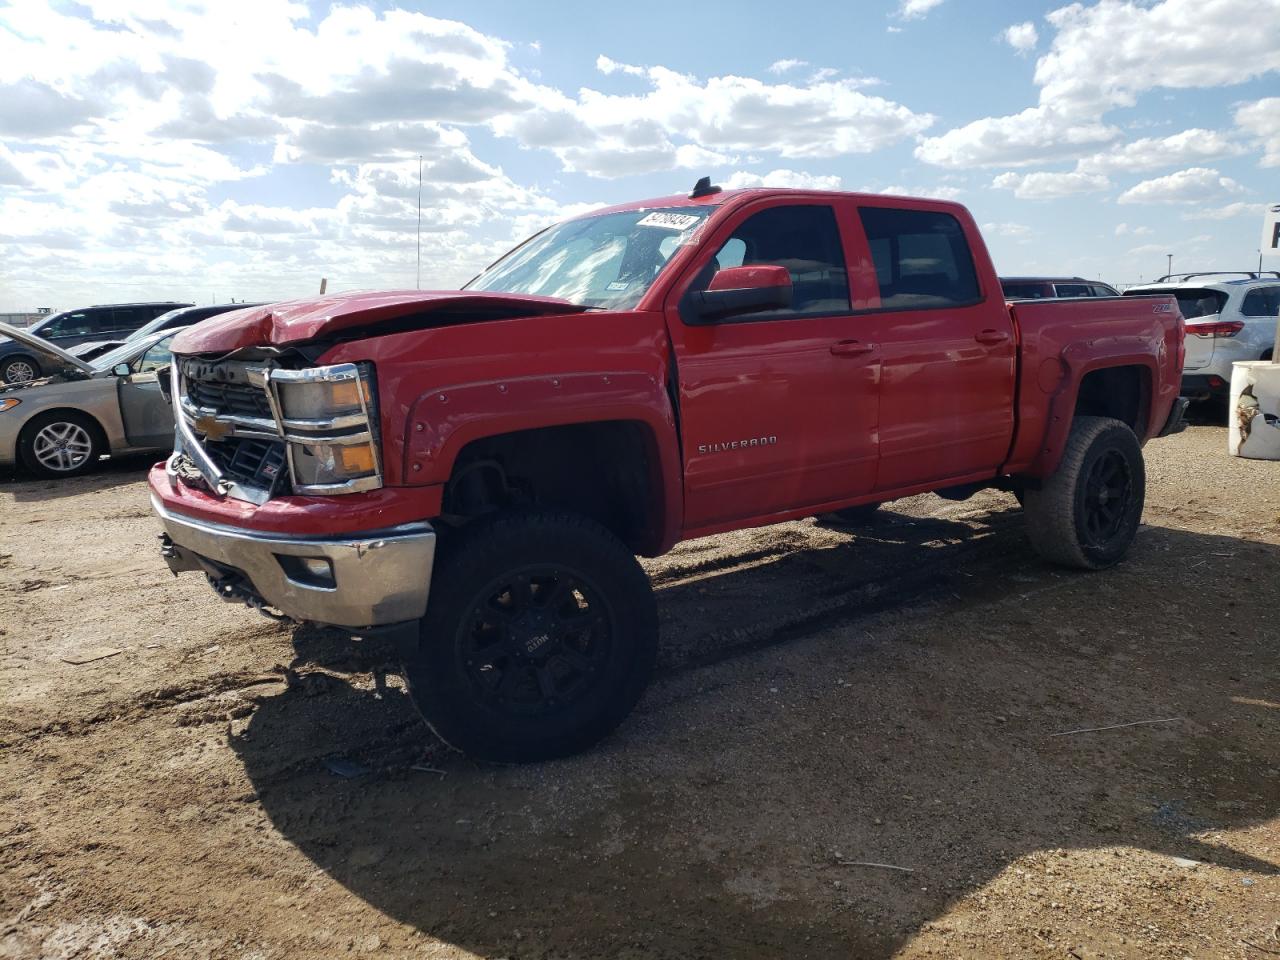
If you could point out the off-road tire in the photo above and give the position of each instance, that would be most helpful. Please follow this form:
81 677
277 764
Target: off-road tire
1077 520
84 426
475 697
13 361
854 516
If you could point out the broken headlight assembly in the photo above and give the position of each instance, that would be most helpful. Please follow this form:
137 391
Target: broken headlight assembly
328 419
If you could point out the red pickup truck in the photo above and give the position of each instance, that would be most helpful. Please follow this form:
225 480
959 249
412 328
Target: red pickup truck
474 472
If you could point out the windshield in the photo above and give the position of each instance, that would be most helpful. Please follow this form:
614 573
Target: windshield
159 323
605 261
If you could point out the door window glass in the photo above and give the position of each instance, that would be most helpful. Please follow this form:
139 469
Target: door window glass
805 240
1073 290
76 324
156 357
129 318
921 257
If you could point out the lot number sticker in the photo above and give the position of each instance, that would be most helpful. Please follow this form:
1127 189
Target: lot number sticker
668 221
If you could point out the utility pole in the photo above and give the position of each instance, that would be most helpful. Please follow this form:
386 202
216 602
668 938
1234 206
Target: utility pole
417 283
1169 269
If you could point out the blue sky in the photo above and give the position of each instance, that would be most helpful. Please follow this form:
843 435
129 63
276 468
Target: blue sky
245 149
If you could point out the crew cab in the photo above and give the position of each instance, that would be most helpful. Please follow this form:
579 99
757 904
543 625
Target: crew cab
472 473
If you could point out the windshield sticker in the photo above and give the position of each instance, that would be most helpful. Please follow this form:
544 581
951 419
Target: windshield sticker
668 221
617 286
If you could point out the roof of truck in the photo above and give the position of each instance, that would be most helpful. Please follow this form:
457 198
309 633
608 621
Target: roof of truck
718 198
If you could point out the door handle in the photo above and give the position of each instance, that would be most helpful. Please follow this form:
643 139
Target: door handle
851 348
991 336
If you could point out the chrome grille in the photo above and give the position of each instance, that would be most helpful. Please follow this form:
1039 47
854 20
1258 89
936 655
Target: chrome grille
241 398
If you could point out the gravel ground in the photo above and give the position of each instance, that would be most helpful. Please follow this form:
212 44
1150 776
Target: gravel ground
860 744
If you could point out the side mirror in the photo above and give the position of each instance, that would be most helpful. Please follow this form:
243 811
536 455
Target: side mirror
121 370
741 290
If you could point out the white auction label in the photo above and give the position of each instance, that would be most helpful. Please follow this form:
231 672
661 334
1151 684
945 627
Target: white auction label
668 221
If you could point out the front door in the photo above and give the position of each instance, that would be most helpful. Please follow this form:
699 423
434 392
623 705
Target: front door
778 410
148 418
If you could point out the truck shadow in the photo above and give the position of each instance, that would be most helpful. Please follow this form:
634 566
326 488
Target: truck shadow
916 733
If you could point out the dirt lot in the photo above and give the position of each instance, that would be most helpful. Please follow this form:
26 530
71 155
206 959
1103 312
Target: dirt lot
894 695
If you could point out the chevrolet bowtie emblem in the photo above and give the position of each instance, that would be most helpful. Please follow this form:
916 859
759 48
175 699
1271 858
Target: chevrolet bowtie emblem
213 428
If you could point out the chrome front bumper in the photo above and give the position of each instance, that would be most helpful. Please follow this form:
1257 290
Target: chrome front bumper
372 579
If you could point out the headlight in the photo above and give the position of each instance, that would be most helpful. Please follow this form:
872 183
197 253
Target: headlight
329 417
9 404
325 464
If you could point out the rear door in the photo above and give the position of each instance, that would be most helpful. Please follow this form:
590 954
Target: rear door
778 410
148 419
947 351
125 320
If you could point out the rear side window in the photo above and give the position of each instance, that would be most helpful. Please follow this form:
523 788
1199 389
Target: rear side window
1025 291
1264 302
921 257
806 241
129 318
1102 290
1074 290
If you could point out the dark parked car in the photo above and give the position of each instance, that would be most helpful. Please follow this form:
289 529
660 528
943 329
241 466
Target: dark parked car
112 321
182 317
1048 288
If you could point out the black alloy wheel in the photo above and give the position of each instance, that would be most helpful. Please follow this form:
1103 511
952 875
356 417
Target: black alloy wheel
534 639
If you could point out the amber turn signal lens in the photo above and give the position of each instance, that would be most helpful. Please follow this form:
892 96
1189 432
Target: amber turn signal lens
357 458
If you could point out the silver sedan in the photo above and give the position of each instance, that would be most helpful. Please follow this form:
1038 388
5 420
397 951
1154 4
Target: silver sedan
63 423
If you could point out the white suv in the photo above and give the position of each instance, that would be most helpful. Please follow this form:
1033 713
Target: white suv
1227 320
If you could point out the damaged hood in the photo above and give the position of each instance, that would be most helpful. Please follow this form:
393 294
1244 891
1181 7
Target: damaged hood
45 348
297 321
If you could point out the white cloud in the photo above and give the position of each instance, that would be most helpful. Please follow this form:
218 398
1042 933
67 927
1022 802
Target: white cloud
609 135
1050 186
1035 135
783 66
1013 231
1105 56
1151 153
796 179
1124 230
1261 119
1227 212
933 193
914 9
1193 185
1023 37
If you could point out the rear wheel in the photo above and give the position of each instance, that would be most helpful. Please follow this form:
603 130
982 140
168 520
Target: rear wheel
1087 513
18 370
60 444
539 639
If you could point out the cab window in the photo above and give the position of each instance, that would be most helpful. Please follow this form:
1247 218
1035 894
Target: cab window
805 240
922 259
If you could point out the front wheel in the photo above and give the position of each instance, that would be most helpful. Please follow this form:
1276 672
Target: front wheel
1087 513
60 444
539 639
